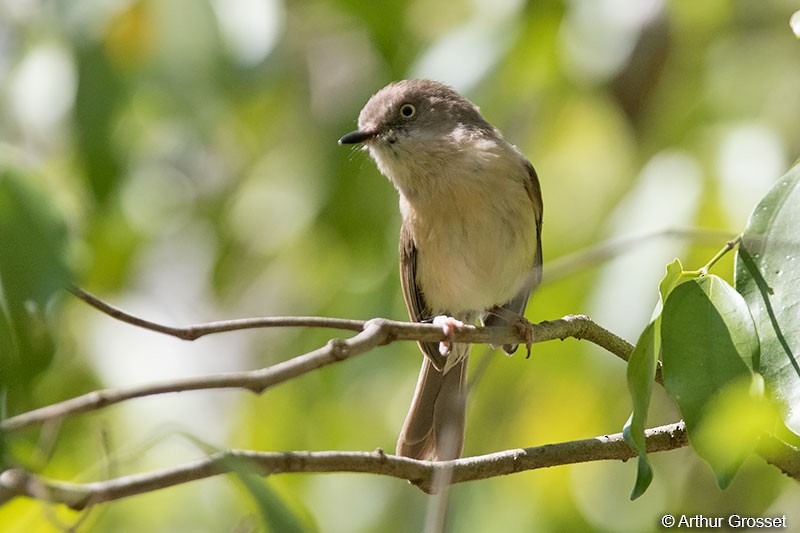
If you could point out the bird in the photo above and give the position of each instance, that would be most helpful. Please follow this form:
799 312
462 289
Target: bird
470 239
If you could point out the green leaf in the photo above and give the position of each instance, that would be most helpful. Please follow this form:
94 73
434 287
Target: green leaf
708 342
768 277
9 351
32 242
671 279
733 422
100 94
641 373
277 513
32 269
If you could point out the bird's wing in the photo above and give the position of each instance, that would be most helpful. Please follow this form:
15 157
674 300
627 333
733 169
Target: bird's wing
418 309
518 303
534 190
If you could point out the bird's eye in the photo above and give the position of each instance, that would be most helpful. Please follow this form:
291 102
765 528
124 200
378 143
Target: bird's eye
408 110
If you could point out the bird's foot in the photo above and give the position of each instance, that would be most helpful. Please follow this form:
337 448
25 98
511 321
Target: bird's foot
525 329
448 325
521 325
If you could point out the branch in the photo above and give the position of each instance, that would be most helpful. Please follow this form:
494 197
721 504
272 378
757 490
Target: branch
420 473
194 332
780 454
583 328
374 333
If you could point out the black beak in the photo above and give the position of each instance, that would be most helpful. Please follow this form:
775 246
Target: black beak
356 137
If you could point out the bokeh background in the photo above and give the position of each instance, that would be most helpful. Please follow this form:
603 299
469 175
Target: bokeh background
190 146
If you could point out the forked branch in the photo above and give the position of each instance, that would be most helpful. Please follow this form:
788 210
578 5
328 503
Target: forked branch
371 333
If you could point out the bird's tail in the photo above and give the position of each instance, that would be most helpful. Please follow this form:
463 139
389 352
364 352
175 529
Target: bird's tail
434 426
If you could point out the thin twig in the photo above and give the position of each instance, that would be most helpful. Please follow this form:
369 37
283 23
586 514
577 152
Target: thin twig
582 327
577 326
420 473
375 332
194 332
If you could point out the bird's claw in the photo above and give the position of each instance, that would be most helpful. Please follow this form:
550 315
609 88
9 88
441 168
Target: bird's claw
449 325
525 330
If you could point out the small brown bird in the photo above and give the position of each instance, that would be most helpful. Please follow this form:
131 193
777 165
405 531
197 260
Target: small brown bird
470 241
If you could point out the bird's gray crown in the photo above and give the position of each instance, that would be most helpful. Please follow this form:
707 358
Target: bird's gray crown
435 108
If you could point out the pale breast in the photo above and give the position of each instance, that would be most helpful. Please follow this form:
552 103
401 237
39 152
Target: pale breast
476 243
464 198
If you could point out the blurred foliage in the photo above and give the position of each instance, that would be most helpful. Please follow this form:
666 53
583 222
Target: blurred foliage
189 149
33 270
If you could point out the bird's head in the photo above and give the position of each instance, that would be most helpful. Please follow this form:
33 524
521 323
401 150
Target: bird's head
412 127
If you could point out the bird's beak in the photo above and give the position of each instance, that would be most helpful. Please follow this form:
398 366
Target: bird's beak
356 137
